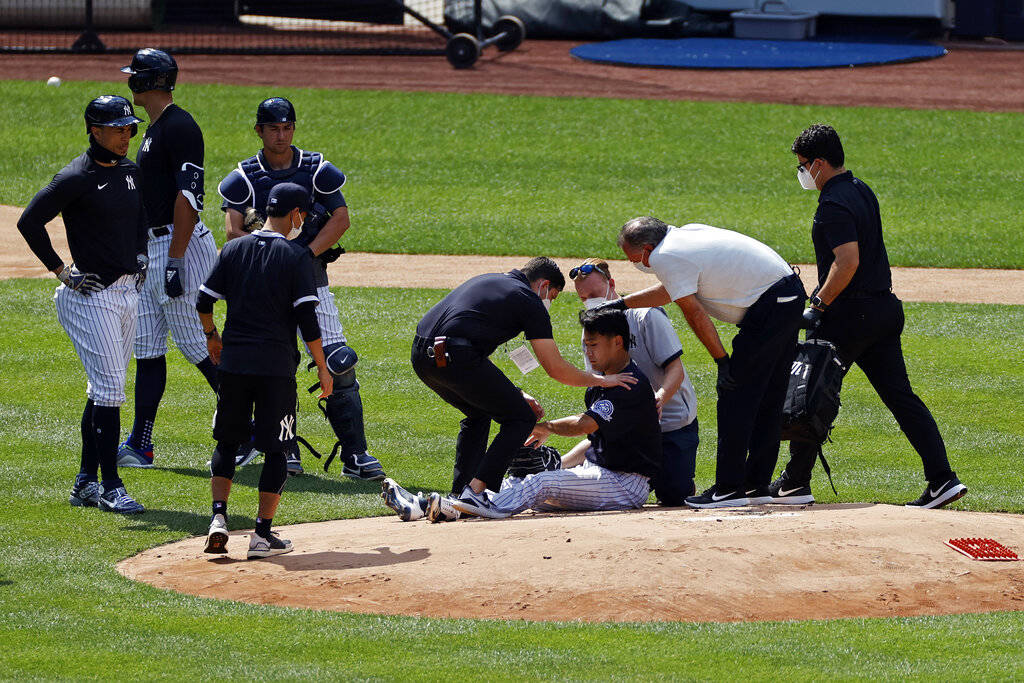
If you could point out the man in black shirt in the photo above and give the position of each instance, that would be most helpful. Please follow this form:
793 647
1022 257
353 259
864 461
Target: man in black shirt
98 196
267 283
855 309
450 354
181 249
625 441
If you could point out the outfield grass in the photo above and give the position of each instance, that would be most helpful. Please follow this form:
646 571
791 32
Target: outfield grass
444 173
66 613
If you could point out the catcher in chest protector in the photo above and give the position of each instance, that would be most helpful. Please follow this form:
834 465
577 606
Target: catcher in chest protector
613 473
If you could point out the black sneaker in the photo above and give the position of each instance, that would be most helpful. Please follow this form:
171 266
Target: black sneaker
294 462
940 496
785 492
713 499
759 496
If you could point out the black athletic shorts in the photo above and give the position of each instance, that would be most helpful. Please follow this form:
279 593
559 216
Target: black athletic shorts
269 401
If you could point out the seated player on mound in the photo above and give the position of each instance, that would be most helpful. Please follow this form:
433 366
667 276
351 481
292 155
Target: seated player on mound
612 474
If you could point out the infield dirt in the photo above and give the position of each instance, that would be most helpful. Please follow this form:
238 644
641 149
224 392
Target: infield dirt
654 564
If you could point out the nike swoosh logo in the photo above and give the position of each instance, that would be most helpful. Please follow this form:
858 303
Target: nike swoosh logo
934 494
100 187
784 492
715 496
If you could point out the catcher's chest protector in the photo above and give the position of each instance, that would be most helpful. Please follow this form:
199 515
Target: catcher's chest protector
264 180
812 397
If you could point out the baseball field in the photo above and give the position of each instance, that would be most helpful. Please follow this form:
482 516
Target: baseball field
444 173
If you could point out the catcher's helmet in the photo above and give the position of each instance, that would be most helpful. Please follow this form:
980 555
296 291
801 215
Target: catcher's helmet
275 110
151 69
111 110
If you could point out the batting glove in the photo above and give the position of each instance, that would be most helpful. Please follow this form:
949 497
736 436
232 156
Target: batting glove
84 283
172 277
143 267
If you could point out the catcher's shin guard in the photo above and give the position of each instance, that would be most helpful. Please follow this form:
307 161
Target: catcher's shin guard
344 410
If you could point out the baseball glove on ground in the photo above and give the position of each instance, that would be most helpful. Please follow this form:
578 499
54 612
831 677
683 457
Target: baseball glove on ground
533 460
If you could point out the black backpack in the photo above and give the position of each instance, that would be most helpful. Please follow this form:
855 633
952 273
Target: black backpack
812 397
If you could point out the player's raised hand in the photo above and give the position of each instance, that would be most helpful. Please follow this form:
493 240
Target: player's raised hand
83 283
622 379
326 380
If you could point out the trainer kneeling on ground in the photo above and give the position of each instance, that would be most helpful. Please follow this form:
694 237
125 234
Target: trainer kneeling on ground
267 283
855 309
739 280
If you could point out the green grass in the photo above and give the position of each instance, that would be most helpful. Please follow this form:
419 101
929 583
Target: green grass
66 613
443 173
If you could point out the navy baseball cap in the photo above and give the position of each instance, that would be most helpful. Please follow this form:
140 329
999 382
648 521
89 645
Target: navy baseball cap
285 197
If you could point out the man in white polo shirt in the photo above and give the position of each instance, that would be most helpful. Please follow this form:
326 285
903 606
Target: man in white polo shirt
709 271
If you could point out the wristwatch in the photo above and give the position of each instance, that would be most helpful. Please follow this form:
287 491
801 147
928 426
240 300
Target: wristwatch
816 302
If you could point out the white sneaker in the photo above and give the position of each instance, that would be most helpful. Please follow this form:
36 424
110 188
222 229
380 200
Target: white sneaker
217 536
470 503
268 547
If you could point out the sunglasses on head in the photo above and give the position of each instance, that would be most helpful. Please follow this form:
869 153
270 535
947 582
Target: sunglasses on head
584 270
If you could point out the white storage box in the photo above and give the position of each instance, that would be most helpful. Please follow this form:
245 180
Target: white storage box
773 20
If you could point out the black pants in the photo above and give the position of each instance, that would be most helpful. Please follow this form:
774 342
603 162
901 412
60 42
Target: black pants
750 415
866 331
476 386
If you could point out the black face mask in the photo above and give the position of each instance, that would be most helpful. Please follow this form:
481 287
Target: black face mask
101 154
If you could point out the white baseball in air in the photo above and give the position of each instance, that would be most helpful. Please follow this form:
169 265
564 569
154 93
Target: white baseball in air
53 80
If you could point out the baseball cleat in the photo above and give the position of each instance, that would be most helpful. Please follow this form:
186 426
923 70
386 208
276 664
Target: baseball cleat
713 499
267 547
294 462
440 509
759 496
130 456
363 466
940 496
409 507
470 503
117 500
245 455
785 492
85 494
217 536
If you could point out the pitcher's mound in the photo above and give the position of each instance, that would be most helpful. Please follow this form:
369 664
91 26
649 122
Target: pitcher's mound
654 564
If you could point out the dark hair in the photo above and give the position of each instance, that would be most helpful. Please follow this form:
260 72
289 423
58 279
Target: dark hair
543 268
607 322
643 230
820 142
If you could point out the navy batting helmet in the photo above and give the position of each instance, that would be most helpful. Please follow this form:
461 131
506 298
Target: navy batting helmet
275 110
111 110
151 69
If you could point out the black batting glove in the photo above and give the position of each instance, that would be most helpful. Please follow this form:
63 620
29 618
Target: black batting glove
172 277
617 305
83 283
725 381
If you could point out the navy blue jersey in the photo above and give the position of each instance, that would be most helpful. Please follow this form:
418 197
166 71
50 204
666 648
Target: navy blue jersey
488 310
628 436
848 212
171 160
263 278
103 213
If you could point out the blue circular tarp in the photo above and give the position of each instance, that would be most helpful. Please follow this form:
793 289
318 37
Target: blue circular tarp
733 53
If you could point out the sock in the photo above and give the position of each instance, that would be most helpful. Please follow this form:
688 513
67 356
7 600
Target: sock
150 382
106 430
220 507
90 463
209 371
263 527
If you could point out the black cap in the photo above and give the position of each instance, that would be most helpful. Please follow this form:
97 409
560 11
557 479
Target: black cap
285 197
151 69
275 110
111 110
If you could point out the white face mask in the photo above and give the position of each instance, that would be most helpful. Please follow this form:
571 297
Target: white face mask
595 301
294 232
805 178
639 265
545 300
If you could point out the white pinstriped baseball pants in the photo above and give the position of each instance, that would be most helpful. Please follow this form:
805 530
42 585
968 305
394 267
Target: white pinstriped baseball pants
585 487
101 327
159 314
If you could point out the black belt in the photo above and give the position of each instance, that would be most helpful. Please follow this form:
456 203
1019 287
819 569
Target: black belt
454 342
160 232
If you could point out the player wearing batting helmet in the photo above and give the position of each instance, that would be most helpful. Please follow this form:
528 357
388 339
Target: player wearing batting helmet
246 189
98 194
181 249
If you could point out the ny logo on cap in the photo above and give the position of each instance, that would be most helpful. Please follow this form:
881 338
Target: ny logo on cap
127 110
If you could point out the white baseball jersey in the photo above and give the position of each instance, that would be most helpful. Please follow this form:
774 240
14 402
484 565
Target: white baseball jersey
727 270
101 327
159 314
